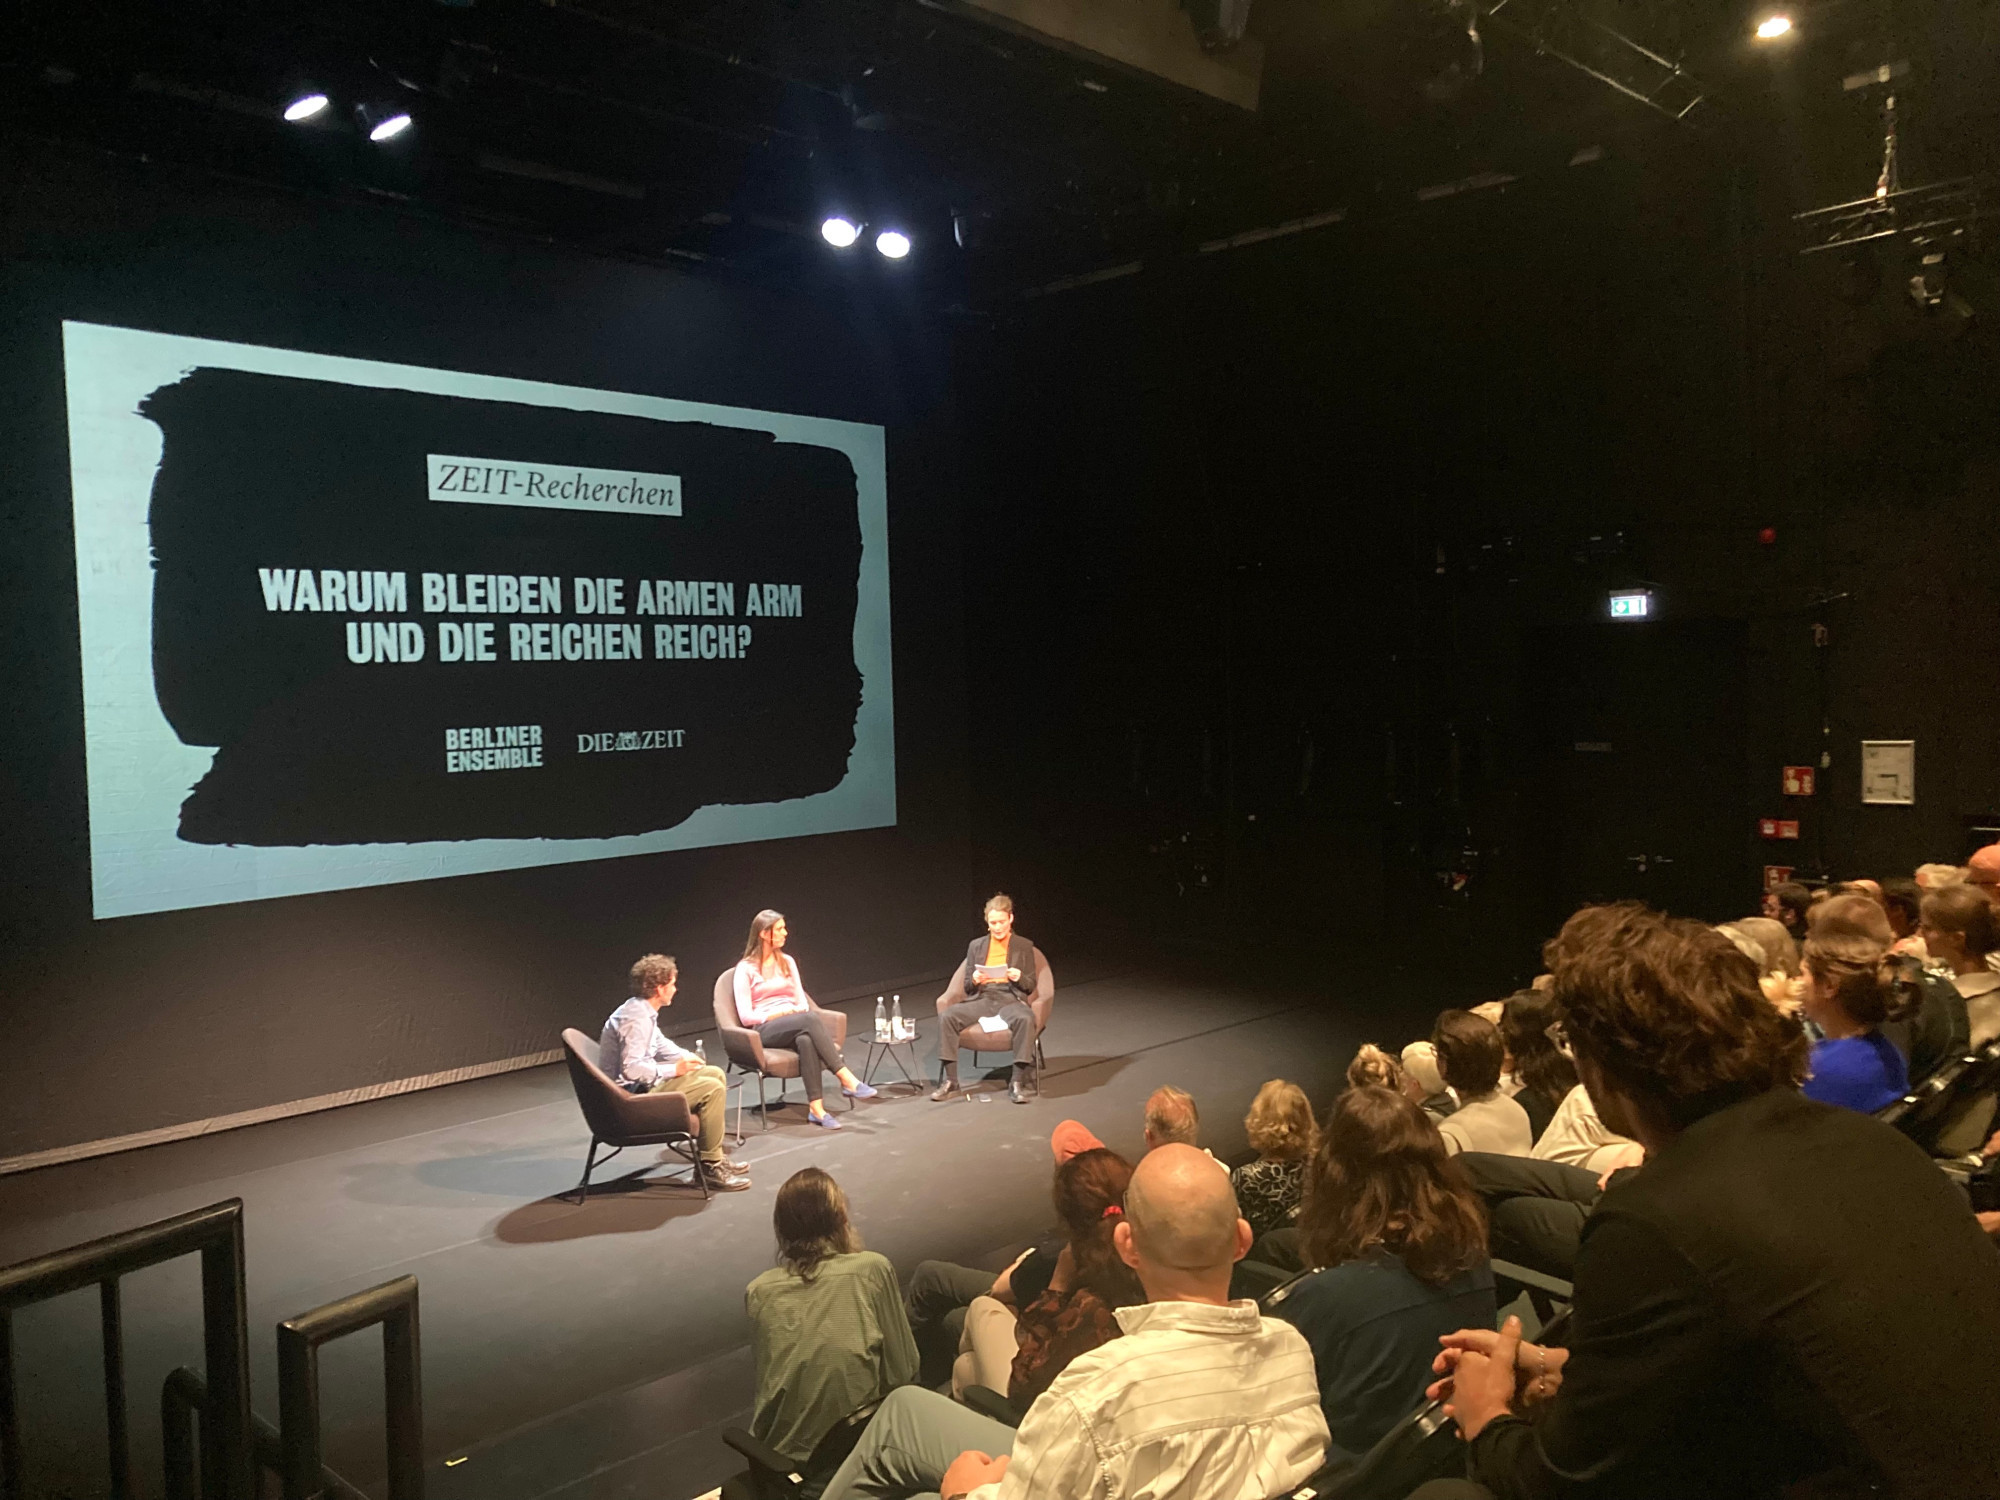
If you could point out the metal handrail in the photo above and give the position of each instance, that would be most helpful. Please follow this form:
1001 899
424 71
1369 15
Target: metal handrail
394 1305
216 1234
180 1404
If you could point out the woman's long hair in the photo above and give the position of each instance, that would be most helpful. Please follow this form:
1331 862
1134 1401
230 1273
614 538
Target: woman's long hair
1090 1198
760 924
1381 1181
1524 1027
811 1222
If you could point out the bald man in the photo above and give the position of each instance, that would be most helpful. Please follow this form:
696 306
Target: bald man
1230 1407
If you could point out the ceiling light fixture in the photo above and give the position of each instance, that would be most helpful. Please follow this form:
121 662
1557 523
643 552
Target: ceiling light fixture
382 124
1773 26
305 106
893 243
839 232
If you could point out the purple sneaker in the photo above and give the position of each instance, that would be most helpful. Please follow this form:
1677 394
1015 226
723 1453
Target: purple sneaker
860 1091
825 1122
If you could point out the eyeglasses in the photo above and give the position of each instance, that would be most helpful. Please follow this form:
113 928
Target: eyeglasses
1559 1039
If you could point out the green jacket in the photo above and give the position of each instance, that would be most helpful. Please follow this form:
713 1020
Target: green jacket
826 1347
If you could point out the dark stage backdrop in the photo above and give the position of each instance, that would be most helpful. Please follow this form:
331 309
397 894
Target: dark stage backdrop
116 1025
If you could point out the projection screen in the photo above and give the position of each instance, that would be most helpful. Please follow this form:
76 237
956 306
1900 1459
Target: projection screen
347 623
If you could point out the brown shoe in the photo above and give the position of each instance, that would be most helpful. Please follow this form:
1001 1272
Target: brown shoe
944 1091
721 1180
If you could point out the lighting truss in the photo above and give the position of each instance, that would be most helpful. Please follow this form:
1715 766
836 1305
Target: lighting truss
1564 30
1919 214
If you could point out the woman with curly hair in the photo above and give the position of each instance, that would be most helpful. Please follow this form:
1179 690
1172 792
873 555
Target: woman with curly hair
1400 1240
1280 1128
1090 1282
1786 1298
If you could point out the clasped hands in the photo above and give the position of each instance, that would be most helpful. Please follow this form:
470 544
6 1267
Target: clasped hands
970 1470
1488 1375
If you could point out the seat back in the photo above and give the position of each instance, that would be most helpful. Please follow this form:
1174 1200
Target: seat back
1422 1447
741 1043
1949 1112
596 1095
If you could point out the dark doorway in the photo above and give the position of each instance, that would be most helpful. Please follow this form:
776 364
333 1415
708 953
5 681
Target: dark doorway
1644 762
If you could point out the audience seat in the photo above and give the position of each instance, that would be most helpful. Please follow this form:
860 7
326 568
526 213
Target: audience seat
618 1119
772 1476
1951 1112
975 1039
747 1054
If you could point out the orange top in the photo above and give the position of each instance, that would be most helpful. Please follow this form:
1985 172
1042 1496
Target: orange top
996 953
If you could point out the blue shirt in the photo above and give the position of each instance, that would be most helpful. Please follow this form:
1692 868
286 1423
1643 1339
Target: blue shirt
1374 1330
1863 1072
633 1049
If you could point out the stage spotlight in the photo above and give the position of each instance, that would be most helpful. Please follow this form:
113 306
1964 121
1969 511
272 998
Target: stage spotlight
893 243
839 232
1773 26
305 107
382 124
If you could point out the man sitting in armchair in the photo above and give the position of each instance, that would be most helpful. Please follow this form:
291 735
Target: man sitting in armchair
999 981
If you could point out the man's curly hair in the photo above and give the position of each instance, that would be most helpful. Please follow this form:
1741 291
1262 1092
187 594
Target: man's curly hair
1670 1009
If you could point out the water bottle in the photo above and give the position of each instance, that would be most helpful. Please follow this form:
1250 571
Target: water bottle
881 1021
896 1018
700 1053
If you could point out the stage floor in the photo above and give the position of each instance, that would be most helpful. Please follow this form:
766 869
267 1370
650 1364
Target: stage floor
595 1352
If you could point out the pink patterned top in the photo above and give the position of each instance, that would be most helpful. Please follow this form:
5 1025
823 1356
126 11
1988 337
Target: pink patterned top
761 998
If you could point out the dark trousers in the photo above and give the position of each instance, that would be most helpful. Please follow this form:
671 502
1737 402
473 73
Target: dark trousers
936 1300
805 1032
1018 1015
1536 1208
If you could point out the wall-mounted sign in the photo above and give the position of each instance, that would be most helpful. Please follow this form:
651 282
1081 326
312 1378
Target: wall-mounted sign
1889 772
1778 828
1798 781
1632 604
1776 875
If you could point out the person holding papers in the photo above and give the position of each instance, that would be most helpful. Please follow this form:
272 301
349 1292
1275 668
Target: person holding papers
999 982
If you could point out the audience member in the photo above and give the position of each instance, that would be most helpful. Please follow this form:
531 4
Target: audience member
1372 1067
1230 1408
1424 1084
1171 1118
1280 1128
640 1058
1468 1054
1544 1074
1779 947
1961 933
1578 1137
1401 1242
1075 1314
1902 903
1786 1298
1938 877
1787 903
830 1332
1852 987
1982 872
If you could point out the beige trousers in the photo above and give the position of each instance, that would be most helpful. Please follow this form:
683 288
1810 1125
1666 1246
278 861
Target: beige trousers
706 1096
986 1349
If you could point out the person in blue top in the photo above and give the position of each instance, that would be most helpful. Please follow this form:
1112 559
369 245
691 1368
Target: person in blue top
1851 988
1399 1236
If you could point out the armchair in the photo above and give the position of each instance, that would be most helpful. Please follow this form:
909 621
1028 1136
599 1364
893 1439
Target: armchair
618 1119
747 1054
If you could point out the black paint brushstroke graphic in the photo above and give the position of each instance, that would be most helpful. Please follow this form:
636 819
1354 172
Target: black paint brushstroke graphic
274 472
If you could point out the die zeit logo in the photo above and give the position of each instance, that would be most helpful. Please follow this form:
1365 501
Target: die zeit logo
483 481
615 740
